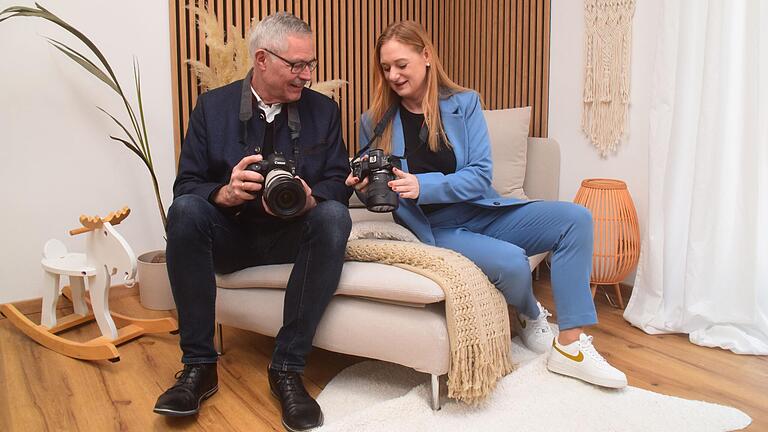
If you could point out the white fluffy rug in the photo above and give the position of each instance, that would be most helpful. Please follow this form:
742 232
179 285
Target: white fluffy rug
379 396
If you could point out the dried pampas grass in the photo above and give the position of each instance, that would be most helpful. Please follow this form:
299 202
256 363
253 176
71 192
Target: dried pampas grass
229 58
329 88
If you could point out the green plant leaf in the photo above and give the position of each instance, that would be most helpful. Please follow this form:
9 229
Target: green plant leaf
154 179
46 14
15 11
133 141
85 63
137 79
132 148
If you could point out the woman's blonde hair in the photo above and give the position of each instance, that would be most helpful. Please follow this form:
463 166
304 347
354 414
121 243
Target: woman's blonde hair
439 85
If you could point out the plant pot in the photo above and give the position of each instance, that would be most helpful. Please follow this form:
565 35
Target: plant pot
154 285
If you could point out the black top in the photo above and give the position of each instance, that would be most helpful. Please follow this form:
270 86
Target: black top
420 158
268 143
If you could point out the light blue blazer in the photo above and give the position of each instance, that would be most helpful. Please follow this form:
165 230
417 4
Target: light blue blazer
467 132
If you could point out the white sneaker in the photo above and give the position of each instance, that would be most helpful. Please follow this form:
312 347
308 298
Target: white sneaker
581 360
535 333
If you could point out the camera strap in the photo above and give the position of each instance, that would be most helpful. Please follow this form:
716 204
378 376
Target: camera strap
246 108
294 128
379 129
246 113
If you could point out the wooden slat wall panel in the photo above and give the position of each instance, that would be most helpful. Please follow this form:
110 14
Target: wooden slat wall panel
498 47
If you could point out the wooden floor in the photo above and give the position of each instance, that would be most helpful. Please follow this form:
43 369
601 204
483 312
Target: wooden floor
41 390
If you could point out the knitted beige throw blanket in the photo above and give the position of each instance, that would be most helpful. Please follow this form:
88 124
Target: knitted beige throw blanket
476 312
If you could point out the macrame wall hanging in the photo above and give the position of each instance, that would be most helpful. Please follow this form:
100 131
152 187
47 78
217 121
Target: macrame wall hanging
608 45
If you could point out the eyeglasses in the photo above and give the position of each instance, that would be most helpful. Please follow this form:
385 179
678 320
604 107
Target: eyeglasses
296 67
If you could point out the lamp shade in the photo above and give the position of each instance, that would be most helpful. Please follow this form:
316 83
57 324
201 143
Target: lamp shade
616 230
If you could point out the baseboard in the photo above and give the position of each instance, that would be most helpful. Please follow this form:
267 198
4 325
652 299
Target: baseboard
35 306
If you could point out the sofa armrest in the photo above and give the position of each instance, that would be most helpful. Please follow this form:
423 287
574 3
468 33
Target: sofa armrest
542 173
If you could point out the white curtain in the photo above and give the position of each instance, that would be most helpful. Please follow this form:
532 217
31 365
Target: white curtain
704 263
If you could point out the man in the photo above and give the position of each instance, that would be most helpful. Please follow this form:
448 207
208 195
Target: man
220 222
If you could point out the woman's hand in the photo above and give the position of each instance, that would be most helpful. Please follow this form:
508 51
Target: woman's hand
355 182
406 185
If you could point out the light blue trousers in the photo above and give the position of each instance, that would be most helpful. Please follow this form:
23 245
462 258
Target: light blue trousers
499 241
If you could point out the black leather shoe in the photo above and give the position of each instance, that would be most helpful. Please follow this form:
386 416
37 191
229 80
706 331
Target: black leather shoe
194 384
300 411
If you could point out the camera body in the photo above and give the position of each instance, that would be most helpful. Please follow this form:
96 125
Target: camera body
283 192
378 168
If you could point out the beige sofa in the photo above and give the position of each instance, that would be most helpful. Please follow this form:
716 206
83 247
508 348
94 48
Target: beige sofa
379 311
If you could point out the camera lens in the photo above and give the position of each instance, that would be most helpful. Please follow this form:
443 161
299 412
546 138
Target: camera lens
380 198
284 194
285 199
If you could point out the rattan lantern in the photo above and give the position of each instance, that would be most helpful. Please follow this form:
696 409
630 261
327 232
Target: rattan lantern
616 231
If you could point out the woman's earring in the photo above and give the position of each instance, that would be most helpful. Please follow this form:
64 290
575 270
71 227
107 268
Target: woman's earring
428 64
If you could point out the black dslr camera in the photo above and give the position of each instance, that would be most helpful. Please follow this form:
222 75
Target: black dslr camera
283 192
379 197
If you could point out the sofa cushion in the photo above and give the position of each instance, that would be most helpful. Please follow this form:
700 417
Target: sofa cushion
371 280
508 131
375 281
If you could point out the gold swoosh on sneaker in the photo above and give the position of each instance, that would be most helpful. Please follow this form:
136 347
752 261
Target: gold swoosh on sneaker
578 358
522 323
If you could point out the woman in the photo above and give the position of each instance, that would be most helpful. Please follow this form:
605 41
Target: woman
446 199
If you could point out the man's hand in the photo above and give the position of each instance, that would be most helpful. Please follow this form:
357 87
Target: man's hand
406 185
242 184
311 201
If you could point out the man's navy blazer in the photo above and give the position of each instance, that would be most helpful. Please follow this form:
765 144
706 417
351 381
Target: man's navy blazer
212 146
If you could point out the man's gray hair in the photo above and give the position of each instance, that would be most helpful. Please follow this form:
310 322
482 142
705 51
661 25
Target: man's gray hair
272 32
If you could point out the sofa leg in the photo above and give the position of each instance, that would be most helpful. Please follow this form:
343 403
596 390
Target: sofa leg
219 339
435 392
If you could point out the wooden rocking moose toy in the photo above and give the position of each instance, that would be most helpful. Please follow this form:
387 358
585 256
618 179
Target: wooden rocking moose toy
107 255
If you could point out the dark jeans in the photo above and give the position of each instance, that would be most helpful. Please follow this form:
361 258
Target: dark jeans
202 240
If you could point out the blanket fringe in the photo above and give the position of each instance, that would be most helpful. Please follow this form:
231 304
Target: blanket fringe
476 312
475 371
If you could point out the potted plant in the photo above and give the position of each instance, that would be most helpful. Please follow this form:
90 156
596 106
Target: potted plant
154 288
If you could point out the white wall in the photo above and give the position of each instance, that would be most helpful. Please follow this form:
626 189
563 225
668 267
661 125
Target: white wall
580 160
57 159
